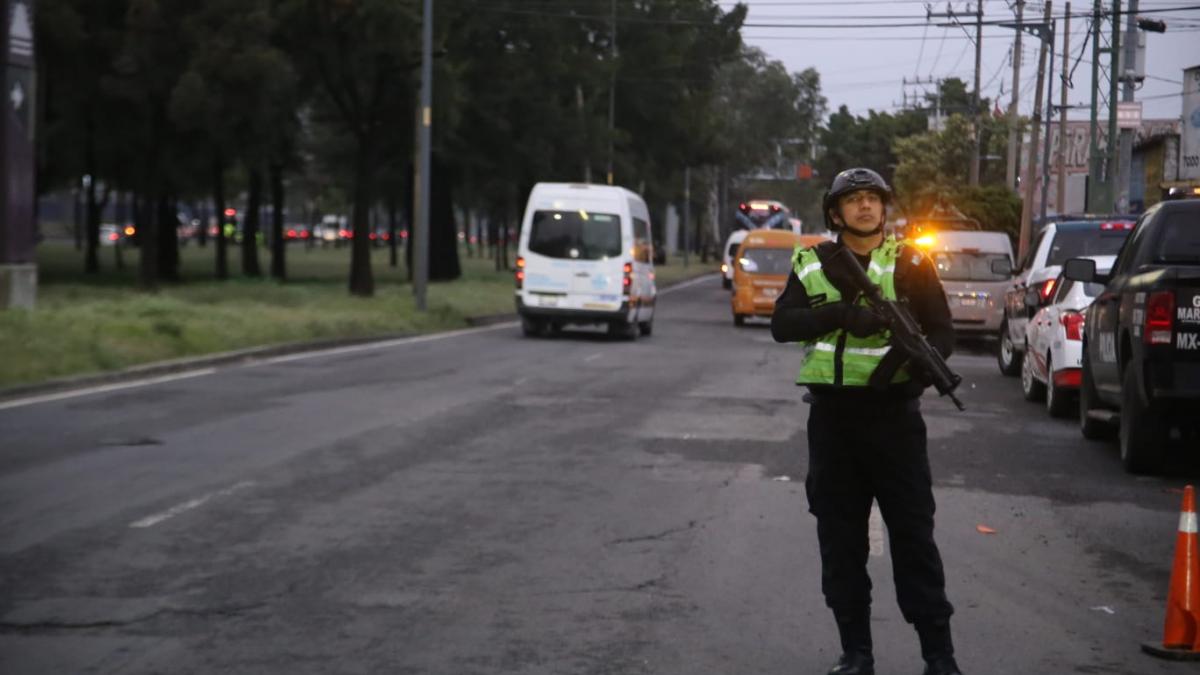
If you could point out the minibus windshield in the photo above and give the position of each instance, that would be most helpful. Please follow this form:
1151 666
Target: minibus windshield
576 235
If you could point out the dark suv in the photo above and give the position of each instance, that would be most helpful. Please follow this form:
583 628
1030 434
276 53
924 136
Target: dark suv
1141 341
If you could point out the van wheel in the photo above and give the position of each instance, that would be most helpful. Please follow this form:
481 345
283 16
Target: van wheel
1030 387
739 319
1007 356
1141 435
623 330
646 327
1090 427
531 327
726 283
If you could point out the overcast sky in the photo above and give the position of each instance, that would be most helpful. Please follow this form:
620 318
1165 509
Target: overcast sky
863 66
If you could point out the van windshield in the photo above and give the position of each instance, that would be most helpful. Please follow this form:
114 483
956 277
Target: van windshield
962 266
578 235
767 261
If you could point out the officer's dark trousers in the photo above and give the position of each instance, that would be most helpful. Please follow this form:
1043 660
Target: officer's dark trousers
875 452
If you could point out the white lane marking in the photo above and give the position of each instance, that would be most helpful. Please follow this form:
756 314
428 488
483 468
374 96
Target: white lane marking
58 396
593 357
875 531
157 518
337 351
685 284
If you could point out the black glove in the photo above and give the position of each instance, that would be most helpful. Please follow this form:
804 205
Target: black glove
861 322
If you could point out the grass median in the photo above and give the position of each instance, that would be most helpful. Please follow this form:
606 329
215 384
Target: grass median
91 324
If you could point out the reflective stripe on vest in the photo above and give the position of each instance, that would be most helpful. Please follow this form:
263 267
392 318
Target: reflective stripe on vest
838 358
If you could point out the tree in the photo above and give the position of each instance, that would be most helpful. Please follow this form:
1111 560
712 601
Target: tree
849 141
361 54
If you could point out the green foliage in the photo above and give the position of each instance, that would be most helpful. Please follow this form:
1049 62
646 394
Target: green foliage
849 141
994 206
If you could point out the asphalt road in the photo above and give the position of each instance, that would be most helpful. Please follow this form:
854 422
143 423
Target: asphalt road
479 503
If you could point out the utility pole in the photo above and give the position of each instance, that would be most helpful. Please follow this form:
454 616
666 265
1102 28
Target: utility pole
612 92
1112 159
424 148
1048 40
1031 161
1127 76
1010 173
1095 180
1061 186
974 175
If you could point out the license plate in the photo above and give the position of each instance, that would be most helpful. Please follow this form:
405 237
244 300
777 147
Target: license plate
547 301
770 292
968 302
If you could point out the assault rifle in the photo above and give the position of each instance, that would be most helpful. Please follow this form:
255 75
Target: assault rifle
905 332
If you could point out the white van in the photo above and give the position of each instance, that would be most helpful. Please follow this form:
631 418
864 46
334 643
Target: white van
975 268
585 257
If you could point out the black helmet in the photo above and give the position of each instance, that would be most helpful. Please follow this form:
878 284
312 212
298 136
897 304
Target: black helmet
849 181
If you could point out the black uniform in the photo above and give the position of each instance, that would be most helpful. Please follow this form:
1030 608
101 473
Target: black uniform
868 444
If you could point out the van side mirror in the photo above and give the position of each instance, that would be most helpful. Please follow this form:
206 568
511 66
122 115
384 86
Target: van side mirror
1002 267
1080 269
1033 299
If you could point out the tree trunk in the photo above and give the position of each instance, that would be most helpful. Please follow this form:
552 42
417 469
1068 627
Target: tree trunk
91 260
443 233
362 283
168 238
202 231
393 254
278 243
122 220
250 226
147 241
218 187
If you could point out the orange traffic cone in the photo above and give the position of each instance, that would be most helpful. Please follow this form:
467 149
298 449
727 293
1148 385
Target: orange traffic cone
1181 633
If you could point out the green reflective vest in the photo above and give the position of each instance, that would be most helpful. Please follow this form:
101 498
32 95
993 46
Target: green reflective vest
838 358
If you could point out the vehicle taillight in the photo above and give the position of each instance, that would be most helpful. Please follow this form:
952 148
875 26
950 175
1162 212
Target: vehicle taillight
1160 311
627 279
1072 322
1124 225
1046 289
520 275
291 234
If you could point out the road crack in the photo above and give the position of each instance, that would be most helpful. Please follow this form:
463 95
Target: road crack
49 626
653 537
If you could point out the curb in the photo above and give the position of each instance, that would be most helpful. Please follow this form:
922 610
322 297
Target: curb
226 358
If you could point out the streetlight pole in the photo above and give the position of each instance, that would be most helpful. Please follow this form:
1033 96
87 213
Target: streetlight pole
612 92
424 148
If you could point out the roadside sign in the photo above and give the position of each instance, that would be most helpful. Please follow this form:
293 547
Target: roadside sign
1129 114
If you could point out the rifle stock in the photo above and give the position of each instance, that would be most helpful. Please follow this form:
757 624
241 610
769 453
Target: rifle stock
905 330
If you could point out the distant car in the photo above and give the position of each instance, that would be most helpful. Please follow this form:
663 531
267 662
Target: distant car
1053 245
761 267
731 246
975 269
1054 342
110 234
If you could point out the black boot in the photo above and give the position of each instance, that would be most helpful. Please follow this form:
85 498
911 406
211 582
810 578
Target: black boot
854 663
854 629
937 648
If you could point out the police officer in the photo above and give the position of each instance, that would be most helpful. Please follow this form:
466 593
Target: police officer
866 437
